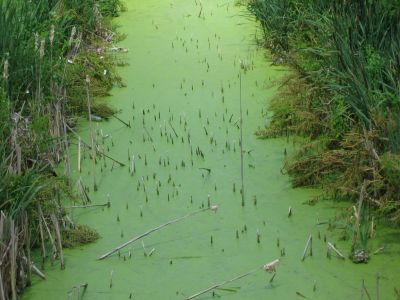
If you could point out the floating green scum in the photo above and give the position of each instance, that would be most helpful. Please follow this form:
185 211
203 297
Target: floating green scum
181 154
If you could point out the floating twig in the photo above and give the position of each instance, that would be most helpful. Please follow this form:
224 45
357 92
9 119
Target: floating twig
213 208
269 267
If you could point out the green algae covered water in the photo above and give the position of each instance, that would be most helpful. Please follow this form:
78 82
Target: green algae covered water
182 100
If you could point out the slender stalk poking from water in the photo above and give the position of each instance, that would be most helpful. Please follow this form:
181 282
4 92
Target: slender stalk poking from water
91 133
79 154
122 121
213 208
173 129
378 277
42 239
364 289
96 148
241 138
58 234
47 229
308 247
13 259
148 134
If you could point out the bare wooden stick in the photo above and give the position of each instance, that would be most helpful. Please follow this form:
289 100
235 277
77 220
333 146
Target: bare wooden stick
79 154
2 294
308 247
358 215
97 150
214 208
58 233
47 229
206 169
108 204
364 288
122 121
169 122
215 286
92 137
35 269
378 277
148 134
42 238
84 194
241 138
330 246
13 259
379 250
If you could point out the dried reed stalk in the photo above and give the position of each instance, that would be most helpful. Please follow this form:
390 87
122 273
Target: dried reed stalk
58 234
92 137
140 236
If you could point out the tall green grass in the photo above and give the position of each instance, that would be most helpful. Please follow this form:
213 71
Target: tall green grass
346 54
47 47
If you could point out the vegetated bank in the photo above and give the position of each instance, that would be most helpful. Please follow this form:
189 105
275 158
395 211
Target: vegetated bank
47 50
343 96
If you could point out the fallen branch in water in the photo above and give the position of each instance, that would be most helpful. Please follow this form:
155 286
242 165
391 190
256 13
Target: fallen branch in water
213 208
269 267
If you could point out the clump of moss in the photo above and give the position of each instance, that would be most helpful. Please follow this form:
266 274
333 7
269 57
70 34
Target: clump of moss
79 235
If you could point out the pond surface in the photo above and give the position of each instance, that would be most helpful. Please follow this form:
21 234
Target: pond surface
183 102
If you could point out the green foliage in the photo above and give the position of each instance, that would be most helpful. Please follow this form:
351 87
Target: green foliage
79 235
346 57
47 47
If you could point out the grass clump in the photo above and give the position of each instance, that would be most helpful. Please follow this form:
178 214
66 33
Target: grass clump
47 48
343 96
79 235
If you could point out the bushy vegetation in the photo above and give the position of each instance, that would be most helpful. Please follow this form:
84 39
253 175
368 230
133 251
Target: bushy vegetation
47 48
344 95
